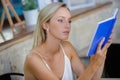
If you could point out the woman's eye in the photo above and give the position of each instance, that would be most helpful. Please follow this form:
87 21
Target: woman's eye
64 21
60 20
70 21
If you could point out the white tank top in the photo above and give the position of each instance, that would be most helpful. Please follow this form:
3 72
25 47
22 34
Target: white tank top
67 75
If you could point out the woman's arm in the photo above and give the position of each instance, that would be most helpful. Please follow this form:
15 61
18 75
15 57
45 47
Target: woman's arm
93 71
99 72
81 71
97 61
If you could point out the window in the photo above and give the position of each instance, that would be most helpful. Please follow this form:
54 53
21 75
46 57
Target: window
75 4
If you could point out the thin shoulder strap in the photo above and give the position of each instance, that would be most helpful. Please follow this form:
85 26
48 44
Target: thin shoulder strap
38 53
62 49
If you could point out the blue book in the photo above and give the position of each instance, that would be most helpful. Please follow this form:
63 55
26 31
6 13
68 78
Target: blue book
103 29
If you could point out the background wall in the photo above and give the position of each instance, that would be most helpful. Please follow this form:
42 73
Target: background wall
83 27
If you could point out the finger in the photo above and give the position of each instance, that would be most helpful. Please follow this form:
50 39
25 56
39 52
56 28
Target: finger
104 49
109 40
110 36
112 32
100 44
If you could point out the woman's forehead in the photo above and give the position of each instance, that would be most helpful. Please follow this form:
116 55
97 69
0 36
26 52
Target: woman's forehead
62 12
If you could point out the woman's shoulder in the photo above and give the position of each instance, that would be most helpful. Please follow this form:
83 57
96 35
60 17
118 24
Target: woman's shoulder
30 55
67 44
68 47
31 58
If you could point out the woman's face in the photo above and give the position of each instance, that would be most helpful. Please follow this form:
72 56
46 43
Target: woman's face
59 25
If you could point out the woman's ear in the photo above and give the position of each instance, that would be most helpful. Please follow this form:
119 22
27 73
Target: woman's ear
45 26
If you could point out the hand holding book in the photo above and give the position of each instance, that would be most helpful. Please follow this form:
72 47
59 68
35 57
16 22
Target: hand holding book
104 29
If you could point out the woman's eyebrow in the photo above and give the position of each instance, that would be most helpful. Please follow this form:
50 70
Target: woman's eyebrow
64 17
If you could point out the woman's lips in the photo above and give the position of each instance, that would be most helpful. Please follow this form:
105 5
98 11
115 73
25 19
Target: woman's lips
66 32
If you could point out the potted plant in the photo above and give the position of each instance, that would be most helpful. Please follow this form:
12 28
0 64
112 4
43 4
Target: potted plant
30 12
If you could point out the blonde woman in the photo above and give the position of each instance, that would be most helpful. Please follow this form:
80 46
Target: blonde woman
52 56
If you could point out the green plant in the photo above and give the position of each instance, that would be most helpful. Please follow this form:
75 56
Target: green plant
29 5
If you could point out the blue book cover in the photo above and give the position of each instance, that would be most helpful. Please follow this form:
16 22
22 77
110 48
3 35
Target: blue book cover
104 29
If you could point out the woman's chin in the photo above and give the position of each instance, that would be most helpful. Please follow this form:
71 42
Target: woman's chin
65 38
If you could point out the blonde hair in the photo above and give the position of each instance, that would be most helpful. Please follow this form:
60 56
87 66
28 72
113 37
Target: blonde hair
44 16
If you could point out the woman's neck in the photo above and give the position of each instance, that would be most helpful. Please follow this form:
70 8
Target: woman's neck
51 47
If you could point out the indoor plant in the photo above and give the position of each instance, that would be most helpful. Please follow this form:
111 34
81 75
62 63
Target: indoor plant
29 5
30 12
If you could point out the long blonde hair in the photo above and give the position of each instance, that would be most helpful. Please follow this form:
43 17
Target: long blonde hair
44 16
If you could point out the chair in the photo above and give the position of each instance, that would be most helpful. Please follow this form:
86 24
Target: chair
112 66
7 76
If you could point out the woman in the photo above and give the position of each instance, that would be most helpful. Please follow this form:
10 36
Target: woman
52 56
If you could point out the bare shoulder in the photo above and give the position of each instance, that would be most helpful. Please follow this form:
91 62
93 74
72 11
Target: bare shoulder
68 47
31 59
34 68
67 44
